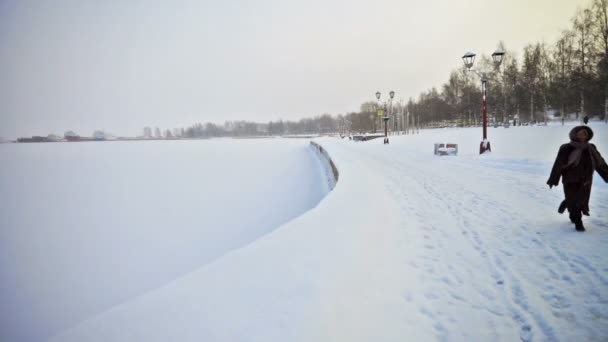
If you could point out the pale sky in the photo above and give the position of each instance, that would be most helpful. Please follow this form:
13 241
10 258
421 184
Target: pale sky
121 65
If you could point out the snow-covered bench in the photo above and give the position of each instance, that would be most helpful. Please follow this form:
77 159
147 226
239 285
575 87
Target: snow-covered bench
446 149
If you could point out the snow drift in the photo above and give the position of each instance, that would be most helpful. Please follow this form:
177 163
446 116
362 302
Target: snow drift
87 226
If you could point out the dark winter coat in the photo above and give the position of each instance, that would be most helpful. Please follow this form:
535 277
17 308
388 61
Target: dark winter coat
581 173
577 179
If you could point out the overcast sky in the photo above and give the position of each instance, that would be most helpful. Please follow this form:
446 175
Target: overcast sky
122 65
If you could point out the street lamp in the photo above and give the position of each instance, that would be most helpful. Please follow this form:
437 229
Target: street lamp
347 125
378 110
391 94
373 122
469 60
497 57
386 116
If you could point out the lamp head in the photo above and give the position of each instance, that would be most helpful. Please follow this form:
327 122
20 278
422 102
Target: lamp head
468 59
497 57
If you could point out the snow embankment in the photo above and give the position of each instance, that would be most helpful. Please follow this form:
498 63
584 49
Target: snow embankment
87 226
408 246
331 171
318 277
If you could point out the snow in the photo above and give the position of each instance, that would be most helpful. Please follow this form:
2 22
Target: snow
407 246
444 151
87 226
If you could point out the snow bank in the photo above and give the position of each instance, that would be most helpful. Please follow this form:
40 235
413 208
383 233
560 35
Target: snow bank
331 171
87 226
316 278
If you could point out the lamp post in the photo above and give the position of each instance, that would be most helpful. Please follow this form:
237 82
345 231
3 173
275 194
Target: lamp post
386 116
401 125
391 95
347 126
469 59
372 122
379 110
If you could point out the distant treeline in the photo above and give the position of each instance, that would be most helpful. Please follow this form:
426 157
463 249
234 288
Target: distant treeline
567 76
323 124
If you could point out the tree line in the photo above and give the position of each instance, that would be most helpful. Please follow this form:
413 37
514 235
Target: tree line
323 124
568 76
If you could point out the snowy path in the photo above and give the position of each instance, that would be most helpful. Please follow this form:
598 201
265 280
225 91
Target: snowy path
488 265
408 246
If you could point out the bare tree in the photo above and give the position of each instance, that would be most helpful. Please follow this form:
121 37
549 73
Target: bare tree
600 8
546 65
582 29
563 54
531 73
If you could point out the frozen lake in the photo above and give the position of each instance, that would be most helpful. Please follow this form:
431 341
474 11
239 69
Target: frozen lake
86 226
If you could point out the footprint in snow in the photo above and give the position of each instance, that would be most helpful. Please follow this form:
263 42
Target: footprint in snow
567 279
526 333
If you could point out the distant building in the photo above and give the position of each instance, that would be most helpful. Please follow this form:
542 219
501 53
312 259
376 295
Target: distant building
157 133
53 138
147 132
71 136
32 139
99 135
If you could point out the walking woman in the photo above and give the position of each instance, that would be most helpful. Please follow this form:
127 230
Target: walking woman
575 163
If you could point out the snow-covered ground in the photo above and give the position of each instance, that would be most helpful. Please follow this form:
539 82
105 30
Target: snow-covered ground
87 226
408 246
